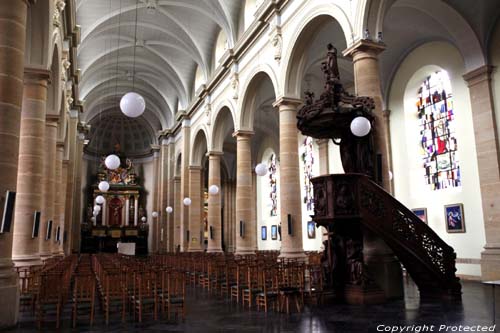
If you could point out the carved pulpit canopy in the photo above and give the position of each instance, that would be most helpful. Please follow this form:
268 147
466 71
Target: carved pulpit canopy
123 175
330 117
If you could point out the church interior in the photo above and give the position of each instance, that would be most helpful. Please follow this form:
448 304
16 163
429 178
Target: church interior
249 165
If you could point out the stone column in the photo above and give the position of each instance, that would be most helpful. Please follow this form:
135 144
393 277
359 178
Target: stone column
155 222
324 165
70 182
186 148
64 221
49 172
364 55
194 208
30 171
54 245
214 203
127 212
290 198
77 190
487 149
12 43
172 197
136 210
377 255
246 243
178 236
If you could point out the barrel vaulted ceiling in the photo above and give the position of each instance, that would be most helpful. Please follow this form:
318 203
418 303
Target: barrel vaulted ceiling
174 37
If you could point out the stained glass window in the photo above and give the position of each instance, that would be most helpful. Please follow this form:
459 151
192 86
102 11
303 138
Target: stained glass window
273 193
308 162
438 140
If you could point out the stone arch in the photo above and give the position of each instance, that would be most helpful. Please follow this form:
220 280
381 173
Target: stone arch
245 121
200 147
294 59
220 127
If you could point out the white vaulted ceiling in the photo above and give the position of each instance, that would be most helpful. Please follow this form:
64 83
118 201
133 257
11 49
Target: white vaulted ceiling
173 38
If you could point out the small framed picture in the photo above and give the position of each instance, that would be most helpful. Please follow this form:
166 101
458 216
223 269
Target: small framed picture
263 233
274 231
421 214
311 230
455 220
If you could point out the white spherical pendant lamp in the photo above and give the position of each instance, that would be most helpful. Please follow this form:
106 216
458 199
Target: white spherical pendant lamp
143 219
261 169
97 208
213 189
93 219
99 200
169 209
132 105
154 214
103 186
187 201
360 126
112 162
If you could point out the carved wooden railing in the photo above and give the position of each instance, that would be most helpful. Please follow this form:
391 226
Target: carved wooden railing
426 257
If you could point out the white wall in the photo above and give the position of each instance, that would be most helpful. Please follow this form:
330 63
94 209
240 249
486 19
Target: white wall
407 161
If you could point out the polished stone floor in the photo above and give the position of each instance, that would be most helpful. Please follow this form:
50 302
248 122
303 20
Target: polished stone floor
209 314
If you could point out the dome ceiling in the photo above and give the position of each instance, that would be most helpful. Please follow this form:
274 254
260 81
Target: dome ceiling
173 39
134 135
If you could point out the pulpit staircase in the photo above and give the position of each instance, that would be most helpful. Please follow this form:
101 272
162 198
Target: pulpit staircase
347 198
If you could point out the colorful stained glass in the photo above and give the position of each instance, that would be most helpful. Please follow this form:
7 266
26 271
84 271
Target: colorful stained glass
308 162
438 140
273 193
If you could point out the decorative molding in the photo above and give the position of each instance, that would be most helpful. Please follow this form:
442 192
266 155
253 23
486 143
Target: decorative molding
478 75
58 9
364 45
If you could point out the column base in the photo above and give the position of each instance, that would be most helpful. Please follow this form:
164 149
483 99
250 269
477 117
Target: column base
293 254
244 252
195 250
27 260
9 294
490 262
214 250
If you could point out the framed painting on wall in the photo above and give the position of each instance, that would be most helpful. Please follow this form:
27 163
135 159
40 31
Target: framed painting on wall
421 214
454 216
311 230
263 233
274 231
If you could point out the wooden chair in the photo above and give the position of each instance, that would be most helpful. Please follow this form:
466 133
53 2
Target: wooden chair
269 294
84 296
176 294
240 282
113 294
252 286
145 297
291 287
49 298
229 278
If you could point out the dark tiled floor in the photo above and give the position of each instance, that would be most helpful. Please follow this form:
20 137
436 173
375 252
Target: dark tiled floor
209 314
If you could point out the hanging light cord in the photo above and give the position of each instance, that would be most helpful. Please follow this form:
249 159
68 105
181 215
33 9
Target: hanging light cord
135 45
118 49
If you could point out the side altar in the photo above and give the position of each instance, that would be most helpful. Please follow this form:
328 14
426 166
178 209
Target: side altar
121 216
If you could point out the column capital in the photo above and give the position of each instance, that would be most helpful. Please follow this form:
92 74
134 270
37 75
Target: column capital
176 178
243 133
52 119
213 153
155 148
37 74
195 168
60 144
283 100
364 46
478 75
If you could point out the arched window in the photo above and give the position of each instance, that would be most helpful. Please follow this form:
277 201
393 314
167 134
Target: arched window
437 132
273 191
307 154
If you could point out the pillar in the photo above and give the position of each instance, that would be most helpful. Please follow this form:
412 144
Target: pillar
70 182
136 210
12 43
364 55
289 196
155 222
184 217
172 197
54 245
77 190
64 218
487 150
195 208
49 172
246 243
30 171
214 203
178 236
378 256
